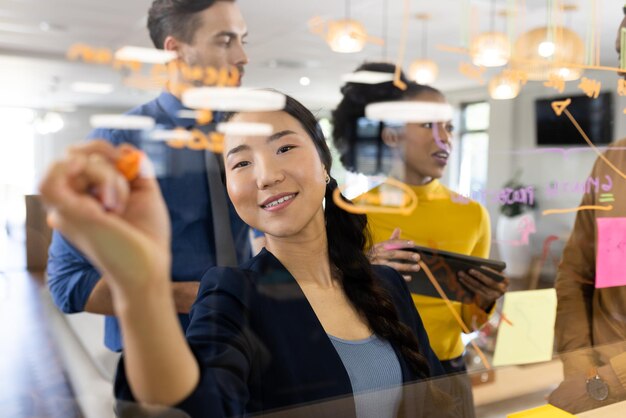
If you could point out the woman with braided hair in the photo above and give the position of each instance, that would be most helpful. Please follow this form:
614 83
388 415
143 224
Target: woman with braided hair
307 319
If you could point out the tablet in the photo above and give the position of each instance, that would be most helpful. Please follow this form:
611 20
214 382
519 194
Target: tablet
445 266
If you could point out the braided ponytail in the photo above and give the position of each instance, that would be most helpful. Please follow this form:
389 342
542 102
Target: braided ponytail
346 242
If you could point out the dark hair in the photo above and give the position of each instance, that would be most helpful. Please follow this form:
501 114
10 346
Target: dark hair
177 18
347 235
356 96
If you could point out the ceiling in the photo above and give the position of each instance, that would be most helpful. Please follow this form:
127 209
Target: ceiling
35 35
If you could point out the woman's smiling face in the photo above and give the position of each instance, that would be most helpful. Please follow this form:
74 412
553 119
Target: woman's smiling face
276 183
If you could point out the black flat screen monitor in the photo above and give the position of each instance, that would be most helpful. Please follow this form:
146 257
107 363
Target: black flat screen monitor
595 117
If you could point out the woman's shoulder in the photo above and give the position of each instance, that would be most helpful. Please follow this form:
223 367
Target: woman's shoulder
247 277
233 280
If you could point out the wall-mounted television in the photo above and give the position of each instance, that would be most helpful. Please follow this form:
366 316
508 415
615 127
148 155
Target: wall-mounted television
595 117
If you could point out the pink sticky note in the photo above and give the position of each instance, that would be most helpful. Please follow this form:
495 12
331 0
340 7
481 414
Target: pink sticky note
611 252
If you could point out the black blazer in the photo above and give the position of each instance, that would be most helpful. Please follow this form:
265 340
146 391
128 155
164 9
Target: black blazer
261 347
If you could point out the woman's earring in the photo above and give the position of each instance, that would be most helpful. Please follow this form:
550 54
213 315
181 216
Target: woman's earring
327 178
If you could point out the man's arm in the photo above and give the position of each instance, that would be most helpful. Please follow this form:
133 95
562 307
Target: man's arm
100 301
76 286
71 278
574 288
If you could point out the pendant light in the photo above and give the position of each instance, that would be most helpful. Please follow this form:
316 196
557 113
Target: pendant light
550 50
504 87
490 49
346 35
424 70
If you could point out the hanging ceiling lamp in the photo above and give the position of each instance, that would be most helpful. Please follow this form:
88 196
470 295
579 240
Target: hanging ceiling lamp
346 35
504 87
541 57
490 49
550 50
424 70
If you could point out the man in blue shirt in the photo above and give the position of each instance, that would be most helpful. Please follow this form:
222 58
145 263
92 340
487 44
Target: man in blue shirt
207 33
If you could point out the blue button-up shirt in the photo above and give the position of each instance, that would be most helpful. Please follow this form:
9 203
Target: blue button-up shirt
183 180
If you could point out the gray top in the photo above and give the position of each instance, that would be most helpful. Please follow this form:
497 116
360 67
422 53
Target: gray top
375 375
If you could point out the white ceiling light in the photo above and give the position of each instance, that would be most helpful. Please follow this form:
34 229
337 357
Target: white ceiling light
92 88
490 49
145 55
346 36
546 49
46 26
409 112
424 71
305 81
233 99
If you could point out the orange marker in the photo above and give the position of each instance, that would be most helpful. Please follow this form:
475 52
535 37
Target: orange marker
129 163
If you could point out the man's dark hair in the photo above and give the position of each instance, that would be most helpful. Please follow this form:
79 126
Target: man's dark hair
178 18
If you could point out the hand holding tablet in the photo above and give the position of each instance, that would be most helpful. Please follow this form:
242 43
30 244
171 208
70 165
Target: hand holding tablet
457 274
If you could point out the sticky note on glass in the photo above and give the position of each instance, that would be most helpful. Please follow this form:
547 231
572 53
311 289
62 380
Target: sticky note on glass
528 334
546 411
611 252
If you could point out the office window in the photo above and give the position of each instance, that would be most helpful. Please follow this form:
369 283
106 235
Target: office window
473 148
17 175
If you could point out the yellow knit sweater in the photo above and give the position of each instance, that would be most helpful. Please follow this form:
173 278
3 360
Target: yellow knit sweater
441 223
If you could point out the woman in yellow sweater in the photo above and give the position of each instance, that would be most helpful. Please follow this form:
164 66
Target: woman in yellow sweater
439 221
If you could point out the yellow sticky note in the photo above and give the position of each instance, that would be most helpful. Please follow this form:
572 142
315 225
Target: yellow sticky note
546 411
528 334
